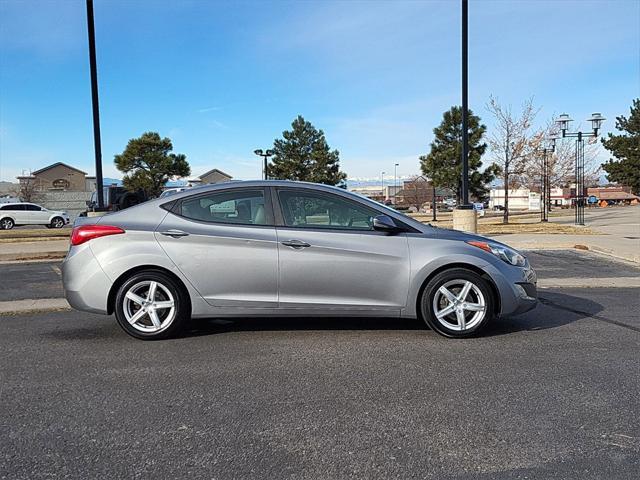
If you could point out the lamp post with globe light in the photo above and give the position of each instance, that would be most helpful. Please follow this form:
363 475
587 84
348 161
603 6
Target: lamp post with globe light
596 123
266 156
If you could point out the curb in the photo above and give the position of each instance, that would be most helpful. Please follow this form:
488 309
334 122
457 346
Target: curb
20 307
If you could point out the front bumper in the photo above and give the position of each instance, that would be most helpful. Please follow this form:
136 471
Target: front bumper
517 287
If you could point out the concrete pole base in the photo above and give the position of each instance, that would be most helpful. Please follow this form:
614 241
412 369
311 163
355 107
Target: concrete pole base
96 214
465 220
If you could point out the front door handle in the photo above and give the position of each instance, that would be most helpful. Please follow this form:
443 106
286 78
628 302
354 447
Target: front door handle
174 233
296 243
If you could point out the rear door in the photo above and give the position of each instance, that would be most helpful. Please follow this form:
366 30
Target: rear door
225 243
32 214
331 258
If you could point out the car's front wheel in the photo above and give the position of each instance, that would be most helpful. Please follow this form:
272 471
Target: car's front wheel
57 222
6 224
457 303
151 305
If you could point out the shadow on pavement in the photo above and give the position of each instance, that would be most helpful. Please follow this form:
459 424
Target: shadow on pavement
215 326
554 310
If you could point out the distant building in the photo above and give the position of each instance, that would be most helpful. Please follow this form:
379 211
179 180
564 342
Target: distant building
212 176
377 192
614 195
525 199
419 191
56 177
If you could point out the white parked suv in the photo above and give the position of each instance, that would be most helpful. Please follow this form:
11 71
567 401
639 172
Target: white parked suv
12 214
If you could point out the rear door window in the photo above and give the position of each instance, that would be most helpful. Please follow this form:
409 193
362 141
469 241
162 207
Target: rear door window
241 207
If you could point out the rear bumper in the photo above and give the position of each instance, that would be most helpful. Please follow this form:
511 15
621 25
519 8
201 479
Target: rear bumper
86 286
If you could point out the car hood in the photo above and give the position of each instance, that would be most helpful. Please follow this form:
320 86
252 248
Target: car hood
447 234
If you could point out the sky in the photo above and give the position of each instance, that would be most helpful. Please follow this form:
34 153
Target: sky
223 78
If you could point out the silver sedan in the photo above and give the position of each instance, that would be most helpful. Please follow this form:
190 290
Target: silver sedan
280 248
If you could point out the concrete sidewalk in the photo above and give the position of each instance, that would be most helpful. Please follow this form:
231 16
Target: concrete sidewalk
618 246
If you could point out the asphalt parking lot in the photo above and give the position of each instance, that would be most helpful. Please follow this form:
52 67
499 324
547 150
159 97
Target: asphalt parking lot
554 393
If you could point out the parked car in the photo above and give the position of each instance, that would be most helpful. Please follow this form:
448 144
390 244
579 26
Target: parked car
24 213
277 248
115 198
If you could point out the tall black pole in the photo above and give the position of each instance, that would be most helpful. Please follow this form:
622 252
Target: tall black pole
265 167
465 104
433 204
94 102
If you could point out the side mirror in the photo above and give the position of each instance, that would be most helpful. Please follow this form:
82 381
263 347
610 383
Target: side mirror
384 223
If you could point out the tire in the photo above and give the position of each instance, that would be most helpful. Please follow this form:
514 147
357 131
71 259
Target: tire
57 222
452 315
168 321
6 223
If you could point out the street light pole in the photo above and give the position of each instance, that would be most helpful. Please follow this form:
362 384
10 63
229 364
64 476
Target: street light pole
434 204
465 104
382 181
94 102
596 122
265 155
545 187
395 182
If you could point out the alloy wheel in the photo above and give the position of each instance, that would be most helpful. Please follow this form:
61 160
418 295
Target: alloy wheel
58 223
149 306
6 224
459 305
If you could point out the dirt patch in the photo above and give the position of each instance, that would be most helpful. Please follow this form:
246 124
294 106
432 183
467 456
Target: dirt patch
33 235
494 226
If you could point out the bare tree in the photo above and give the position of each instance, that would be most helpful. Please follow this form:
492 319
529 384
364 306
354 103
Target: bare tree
512 142
27 191
416 192
561 162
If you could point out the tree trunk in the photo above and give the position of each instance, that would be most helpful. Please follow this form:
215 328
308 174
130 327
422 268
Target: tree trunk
505 218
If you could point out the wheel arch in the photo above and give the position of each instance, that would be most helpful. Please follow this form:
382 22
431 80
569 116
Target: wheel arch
13 219
111 298
497 304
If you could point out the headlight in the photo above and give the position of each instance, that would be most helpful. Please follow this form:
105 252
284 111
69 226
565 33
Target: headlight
503 253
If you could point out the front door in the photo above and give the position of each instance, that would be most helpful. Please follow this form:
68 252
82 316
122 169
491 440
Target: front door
224 242
331 258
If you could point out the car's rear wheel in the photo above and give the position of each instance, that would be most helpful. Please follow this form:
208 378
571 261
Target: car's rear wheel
6 224
151 305
57 222
457 303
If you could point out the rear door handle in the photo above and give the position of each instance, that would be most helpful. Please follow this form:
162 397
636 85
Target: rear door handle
174 233
296 243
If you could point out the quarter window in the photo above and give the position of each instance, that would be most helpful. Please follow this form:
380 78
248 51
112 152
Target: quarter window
317 210
244 207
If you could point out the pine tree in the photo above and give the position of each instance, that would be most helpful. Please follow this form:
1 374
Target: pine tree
148 164
626 148
443 163
303 154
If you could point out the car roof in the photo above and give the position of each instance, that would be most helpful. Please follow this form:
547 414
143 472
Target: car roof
254 183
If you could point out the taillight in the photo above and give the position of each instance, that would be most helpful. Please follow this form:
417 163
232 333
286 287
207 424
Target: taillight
84 233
